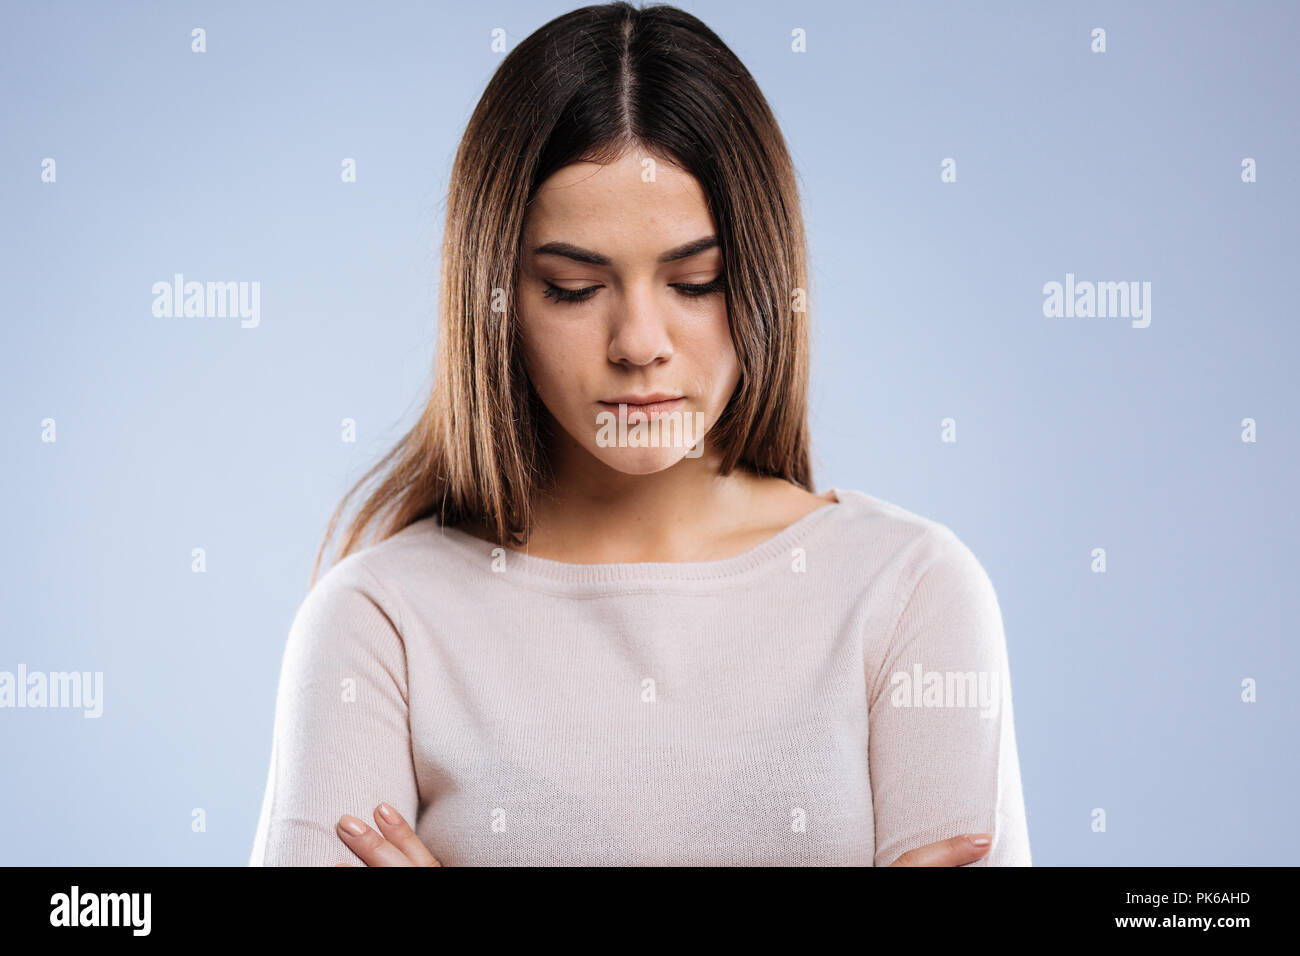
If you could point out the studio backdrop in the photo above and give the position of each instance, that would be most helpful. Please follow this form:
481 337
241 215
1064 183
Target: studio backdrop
1053 254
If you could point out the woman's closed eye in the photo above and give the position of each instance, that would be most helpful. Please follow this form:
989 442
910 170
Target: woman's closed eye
690 290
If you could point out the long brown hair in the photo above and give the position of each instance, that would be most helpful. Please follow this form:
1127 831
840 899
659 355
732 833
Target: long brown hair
586 86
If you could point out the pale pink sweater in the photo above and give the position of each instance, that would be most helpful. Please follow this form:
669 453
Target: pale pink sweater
836 695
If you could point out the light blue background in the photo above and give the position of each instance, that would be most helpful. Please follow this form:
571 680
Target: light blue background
1072 433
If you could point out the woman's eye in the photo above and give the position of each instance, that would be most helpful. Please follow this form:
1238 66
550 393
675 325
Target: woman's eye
685 288
569 295
581 295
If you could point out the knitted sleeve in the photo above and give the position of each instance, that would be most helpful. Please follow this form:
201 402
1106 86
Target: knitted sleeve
941 738
341 741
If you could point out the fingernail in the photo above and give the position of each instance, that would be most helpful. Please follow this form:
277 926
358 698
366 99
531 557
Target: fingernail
980 839
352 824
388 813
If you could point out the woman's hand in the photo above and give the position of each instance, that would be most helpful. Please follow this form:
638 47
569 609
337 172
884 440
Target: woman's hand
395 845
957 851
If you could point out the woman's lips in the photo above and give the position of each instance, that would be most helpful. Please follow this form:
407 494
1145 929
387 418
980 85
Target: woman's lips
645 411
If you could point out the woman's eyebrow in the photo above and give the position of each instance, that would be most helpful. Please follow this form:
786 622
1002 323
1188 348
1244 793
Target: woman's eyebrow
578 254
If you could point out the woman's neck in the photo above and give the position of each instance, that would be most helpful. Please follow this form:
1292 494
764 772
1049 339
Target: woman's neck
595 515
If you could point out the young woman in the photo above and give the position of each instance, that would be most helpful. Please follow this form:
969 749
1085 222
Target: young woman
606 619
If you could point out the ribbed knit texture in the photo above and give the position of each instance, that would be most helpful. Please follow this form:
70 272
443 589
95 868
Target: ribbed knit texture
523 711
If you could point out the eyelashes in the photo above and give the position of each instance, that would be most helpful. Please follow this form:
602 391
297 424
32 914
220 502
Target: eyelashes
686 289
568 295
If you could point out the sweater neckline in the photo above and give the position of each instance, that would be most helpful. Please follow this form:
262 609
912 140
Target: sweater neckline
522 565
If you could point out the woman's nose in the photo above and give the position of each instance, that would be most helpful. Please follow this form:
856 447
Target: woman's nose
639 333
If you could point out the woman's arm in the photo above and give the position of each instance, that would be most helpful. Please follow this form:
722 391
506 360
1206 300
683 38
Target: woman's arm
942 747
395 844
342 739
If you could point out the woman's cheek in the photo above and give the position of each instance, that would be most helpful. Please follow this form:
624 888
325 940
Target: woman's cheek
557 377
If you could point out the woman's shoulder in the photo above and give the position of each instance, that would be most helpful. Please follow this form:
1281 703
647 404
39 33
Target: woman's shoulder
893 537
887 517
938 591
419 554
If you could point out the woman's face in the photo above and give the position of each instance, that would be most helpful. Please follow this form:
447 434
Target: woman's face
645 322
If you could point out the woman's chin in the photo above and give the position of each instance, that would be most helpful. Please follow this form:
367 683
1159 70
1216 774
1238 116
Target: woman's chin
639 461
